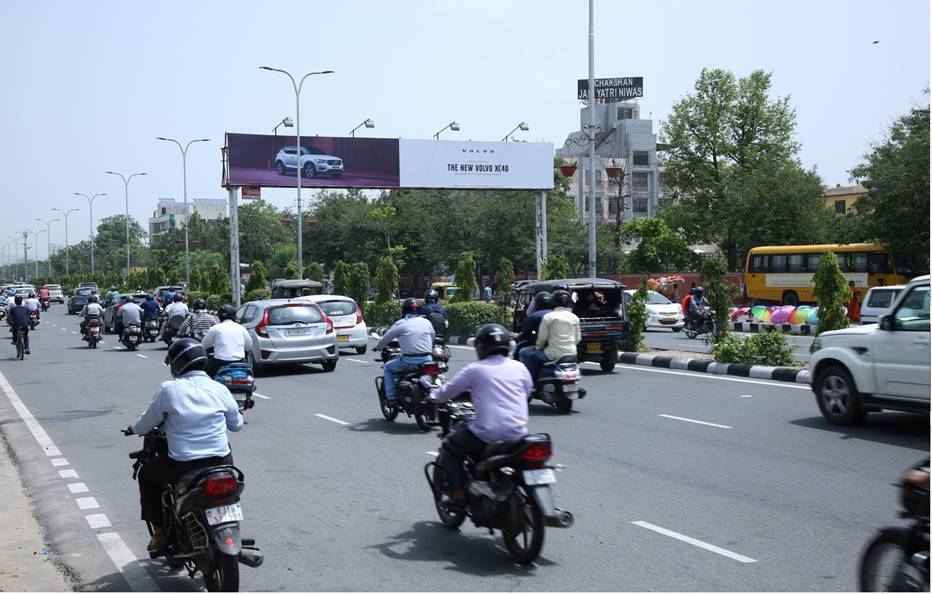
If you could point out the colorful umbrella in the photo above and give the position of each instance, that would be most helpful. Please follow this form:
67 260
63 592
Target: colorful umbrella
736 314
782 314
813 317
800 315
758 312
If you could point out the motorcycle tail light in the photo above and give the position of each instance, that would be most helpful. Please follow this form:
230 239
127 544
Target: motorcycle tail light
537 453
431 369
220 486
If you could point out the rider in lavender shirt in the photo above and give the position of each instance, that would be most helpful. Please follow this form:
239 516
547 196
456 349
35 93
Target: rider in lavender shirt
499 388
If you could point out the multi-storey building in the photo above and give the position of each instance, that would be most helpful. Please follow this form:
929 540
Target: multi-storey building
170 213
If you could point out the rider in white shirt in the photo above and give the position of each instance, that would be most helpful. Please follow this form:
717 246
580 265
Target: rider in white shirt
229 341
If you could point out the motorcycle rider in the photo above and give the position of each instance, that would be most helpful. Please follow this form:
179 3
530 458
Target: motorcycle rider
113 293
150 308
687 299
543 305
198 322
18 317
130 313
177 306
91 309
229 340
499 388
696 304
558 335
44 296
415 335
194 412
32 303
435 313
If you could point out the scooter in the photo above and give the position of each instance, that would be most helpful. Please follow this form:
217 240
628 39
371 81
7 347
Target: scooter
557 383
239 380
151 330
132 336
92 333
33 319
705 324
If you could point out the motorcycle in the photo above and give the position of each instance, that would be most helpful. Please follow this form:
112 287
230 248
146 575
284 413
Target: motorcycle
201 513
92 334
897 558
241 383
33 319
704 324
557 383
132 336
171 328
412 398
2 310
508 487
151 330
44 304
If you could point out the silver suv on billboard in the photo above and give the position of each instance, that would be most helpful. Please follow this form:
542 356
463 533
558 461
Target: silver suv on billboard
314 162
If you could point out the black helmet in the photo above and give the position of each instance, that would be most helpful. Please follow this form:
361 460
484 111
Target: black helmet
542 300
410 306
176 297
432 296
200 304
186 355
226 312
699 292
492 338
92 298
149 297
561 298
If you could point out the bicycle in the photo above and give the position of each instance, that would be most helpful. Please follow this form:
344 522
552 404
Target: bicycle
20 344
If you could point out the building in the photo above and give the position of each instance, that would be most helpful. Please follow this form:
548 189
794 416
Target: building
841 198
626 146
170 213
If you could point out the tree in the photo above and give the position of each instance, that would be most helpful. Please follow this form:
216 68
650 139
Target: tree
466 278
718 291
659 250
637 316
556 267
261 230
831 292
896 211
504 278
359 288
219 282
341 278
258 276
291 270
386 278
314 271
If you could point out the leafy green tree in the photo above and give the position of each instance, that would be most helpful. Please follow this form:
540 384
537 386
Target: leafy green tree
261 230
258 276
556 267
281 257
637 316
342 281
386 276
831 292
504 278
718 291
466 278
896 171
219 282
291 270
314 271
359 279
659 249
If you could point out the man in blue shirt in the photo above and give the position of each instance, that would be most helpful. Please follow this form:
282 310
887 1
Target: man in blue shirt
194 412
542 306
150 308
415 336
19 319
435 313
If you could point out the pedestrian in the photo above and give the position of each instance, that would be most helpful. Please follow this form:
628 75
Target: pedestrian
487 294
854 303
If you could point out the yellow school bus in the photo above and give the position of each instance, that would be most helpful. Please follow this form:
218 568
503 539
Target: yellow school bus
784 273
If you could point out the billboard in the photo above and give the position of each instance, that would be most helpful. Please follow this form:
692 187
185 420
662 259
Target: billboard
611 90
348 162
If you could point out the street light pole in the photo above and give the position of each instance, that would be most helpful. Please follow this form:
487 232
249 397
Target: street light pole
35 256
184 169
67 248
90 202
126 197
592 220
25 256
297 123
48 241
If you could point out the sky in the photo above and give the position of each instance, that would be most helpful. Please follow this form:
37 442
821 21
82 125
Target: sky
89 86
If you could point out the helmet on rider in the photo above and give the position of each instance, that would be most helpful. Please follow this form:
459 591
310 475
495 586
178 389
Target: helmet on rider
148 297
176 297
492 338
92 299
226 312
200 304
32 295
186 355
112 288
410 306
432 296
699 292
561 298
543 300
125 299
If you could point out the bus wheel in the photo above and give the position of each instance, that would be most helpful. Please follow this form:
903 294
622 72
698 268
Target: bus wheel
790 298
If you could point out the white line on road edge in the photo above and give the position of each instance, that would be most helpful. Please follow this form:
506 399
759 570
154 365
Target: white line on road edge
98 521
74 332
695 542
745 396
87 503
709 376
68 474
78 488
126 562
358 361
37 432
695 421
432 453
261 396
141 355
333 419
59 462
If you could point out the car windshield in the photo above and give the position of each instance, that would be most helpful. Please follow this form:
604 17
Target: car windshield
881 298
53 287
338 307
292 314
84 291
657 299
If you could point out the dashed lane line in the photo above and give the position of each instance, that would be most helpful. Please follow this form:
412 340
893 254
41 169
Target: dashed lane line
45 442
68 474
358 361
88 503
141 355
333 419
262 396
695 542
78 488
97 521
695 421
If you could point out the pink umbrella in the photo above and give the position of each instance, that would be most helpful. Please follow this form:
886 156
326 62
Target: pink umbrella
782 314
736 314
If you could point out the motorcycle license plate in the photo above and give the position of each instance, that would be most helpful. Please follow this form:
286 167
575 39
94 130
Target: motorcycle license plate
536 477
593 347
343 338
224 514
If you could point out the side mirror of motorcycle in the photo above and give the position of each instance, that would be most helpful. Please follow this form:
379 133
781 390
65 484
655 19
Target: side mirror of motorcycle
374 335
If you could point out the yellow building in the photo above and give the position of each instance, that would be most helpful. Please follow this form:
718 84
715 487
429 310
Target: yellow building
842 198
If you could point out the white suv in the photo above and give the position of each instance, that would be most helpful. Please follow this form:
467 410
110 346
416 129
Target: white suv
876 366
314 162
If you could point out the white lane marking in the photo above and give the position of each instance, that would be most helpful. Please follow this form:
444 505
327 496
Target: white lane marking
261 396
710 376
65 330
141 355
98 521
59 462
695 542
461 347
37 432
68 474
78 488
87 503
432 453
126 562
74 332
745 396
695 421
358 361
333 419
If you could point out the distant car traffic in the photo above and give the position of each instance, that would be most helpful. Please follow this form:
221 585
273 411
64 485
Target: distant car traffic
661 312
112 310
313 162
347 320
877 302
77 302
288 332
55 293
161 290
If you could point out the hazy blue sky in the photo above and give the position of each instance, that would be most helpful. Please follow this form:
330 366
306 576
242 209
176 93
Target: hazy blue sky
89 85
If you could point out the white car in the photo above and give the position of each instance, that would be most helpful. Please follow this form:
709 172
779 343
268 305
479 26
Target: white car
878 301
876 366
661 312
347 320
314 162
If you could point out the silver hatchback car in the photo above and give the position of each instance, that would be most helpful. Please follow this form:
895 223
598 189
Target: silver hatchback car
288 332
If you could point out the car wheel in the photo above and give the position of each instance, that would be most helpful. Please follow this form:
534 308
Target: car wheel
309 171
280 168
837 397
361 350
329 365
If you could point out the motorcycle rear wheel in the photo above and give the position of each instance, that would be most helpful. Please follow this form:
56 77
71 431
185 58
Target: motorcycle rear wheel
690 333
524 543
564 405
223 575
449 519
885 567
388 412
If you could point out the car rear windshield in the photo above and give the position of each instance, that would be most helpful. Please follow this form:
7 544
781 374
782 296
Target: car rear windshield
657 298
286 315
53 287
881 298
84 291
338 307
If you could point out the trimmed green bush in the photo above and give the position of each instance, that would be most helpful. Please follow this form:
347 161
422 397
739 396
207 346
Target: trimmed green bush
637 316
718 291
762 349
386 278
832 292
382 314
255 295
214 301
466 317
466 278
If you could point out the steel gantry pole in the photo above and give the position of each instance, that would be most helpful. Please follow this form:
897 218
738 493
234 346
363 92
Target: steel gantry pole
90 204
65 213
298 166
48 241
184 173
126 198
592 219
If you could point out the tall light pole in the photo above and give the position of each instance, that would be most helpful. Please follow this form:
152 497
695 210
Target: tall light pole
591 94
90 203
67 247
25 256
126 196
184 170
35 255
48 240
297 120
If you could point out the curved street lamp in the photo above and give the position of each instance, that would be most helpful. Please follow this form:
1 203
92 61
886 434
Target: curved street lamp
455 126
48 241
184 169
368 123
522 125
65 213
90 202
126 195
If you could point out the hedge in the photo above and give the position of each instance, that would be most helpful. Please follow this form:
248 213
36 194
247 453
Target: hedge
466 317
254 295
382 314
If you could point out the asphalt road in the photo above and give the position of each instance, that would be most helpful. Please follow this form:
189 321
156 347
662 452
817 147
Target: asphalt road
762 496
667 339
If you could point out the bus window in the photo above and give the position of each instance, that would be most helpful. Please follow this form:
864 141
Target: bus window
879 262
812 262
777 263
795 262
859 262
757 263
843 261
